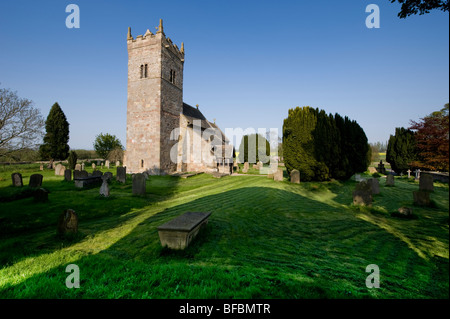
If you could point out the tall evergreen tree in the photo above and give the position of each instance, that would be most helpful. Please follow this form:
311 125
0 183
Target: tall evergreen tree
55 145
401 150
254 148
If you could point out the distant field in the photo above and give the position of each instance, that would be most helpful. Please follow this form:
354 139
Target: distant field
265 239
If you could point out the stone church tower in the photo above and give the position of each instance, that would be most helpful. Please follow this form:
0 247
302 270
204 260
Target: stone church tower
155 101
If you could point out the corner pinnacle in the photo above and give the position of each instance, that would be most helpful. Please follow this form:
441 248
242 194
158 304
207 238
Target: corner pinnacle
160 28
129 37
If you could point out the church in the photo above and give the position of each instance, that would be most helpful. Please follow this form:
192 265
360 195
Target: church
164 134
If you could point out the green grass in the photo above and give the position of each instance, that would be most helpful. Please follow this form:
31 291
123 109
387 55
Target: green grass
265 239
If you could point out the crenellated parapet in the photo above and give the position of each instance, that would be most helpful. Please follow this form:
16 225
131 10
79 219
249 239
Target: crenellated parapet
160 35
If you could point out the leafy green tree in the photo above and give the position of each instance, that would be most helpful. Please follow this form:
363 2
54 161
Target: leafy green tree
401 151
55 145
72 160
411 7
254 148
105 143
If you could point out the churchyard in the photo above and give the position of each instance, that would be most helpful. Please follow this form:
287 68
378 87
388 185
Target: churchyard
264 239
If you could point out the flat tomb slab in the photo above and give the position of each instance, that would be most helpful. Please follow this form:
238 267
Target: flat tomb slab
180 231
85 181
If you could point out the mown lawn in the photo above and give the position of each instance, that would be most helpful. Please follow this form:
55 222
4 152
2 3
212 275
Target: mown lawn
265 239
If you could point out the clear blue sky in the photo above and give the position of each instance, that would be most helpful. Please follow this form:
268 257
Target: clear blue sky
247 62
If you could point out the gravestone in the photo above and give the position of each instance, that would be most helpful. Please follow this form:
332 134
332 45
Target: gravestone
270 176
381 168
41 168
422 198
406 211
255 166
390 181
50 165
104 189
98 163
409 173
117 163
278 176
62 171
121 174
68 175
93 166
107 164
17 179
426 183
295 176
101 166
57 169
417 174
82 166
138 184
273 168
68 222
372 170
35 180
80 174
41 195
358 178
375 185
108 176
97 173
246 166
362 195
78 167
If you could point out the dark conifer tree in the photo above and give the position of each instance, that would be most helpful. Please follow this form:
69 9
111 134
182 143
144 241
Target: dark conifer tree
55 145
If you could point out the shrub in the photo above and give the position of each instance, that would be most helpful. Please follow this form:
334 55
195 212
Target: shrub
72 160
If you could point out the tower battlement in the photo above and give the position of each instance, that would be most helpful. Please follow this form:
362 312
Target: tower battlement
160 35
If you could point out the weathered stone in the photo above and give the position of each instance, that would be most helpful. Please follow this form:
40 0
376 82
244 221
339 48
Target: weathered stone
121 174
93 166
390 181
41 168
362 197
278 176
78 167
68 222
82 182
179 232
62 171
381 168
270 176
426 183
117 163
68 175
107 164
246 167
97 173
406 211
41 195
107 176
372 170
50 165
138 184
295 176
375 185
35 180
422 198
82 166
80 174
104 189
58 169
17 179
99 163
255 166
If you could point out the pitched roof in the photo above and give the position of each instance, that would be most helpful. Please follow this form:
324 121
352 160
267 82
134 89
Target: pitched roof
192 112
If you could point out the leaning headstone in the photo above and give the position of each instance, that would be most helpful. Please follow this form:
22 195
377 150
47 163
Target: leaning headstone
121 174
390 181
107 164
362 195
246 167
41 195
57 169
278 176
426 183
422 198
104 189
138 184
35 180
68 222
17 179
68 175
78 167
375 185
295 176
